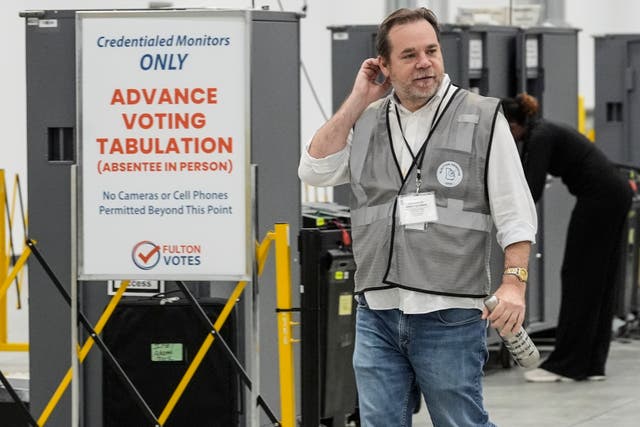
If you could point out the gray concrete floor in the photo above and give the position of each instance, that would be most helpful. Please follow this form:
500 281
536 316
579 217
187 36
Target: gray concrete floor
512 402
615 402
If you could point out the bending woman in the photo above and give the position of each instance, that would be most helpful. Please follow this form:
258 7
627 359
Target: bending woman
592 251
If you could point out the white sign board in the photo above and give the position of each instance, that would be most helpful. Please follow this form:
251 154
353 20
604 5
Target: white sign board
163 119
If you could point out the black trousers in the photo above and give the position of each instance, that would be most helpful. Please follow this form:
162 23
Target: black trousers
589 269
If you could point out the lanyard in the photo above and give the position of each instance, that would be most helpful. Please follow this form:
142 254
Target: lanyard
421 151
406 143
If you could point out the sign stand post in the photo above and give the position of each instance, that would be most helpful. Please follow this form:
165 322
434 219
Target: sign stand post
75 366
255 308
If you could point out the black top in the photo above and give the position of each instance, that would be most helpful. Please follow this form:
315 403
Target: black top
559 150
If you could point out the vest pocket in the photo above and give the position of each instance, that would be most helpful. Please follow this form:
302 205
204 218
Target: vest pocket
441 259
450 172
464 131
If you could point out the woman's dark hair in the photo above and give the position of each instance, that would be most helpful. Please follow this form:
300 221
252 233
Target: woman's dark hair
400 17
522 109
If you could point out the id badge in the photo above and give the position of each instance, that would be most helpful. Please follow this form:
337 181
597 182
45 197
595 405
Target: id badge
417 208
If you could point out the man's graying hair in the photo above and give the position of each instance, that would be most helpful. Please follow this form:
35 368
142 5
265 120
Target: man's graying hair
400 17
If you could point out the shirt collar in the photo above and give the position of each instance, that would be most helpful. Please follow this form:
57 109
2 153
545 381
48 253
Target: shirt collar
435 99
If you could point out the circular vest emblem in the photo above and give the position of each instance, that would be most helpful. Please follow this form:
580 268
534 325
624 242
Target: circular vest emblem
449 174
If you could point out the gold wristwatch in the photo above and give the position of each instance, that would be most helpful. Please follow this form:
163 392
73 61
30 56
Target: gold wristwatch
520 272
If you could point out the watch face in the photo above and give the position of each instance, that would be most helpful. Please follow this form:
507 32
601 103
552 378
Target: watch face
523 274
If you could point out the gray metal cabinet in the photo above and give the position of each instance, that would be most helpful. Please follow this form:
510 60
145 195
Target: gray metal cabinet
548 70
617 103
481 58
617 109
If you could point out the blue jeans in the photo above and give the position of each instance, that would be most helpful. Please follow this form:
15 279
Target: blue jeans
440 354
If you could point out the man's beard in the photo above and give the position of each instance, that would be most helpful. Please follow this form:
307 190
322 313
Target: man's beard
417 95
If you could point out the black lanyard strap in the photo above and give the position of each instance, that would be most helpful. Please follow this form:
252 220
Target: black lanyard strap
406 143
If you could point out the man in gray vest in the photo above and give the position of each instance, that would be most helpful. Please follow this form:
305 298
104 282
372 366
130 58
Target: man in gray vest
432 168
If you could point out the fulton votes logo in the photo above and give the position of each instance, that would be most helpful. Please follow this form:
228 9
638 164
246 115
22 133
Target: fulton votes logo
449 174
147 255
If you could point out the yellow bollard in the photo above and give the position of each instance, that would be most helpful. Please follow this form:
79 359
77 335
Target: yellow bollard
283 304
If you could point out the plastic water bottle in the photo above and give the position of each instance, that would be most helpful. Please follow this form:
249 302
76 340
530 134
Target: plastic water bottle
522 349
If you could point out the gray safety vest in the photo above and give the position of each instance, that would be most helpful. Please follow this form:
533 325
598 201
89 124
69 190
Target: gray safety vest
452 255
